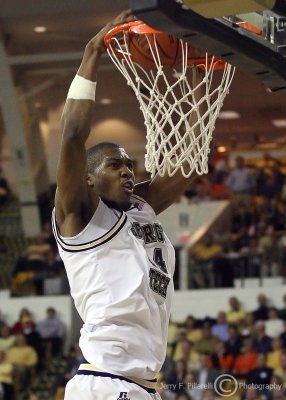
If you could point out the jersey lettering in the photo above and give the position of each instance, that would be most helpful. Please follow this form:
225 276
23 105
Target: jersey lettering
137 230
159 232
150 233
159 260
158 282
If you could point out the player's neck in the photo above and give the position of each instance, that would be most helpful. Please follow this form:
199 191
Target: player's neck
116 206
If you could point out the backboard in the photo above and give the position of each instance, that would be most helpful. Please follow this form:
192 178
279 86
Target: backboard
249 34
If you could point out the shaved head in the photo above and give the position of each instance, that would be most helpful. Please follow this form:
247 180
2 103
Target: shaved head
95 154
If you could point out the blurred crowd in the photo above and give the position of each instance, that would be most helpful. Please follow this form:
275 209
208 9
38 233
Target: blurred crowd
250 347
255 243
40 269
247 346
26 349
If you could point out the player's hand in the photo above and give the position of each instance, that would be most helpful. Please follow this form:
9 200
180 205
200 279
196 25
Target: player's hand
97 42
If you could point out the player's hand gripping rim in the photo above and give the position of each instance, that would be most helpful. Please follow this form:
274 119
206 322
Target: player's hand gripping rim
97 42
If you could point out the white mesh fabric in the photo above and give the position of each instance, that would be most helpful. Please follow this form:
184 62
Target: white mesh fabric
179 105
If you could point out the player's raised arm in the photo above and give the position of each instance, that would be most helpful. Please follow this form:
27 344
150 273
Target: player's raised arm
74 204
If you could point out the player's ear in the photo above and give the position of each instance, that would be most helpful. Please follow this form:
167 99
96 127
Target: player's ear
90 179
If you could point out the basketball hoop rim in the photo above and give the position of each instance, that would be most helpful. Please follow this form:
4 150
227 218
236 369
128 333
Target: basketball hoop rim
140 28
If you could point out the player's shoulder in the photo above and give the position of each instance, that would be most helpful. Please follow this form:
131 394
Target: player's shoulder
138 202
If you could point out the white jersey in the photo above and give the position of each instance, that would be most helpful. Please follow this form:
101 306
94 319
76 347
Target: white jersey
120 270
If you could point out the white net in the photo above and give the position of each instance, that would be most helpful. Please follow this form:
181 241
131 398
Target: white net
180 105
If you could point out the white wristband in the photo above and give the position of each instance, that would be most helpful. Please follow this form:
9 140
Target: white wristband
82 89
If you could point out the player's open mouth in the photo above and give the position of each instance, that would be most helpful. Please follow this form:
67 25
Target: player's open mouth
128 186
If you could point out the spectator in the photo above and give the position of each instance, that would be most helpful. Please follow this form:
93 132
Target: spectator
33 396
209 394
247 326
24 358
208 342
206 375
203 257
176 378
186 352
272 254
33 339
270 187
6 377
191 386
219 190
220 328
182 336
25 315
245 361
241 241
261 342
172 336
274 356
236 314
164 392
251 393
279 177
278 391
202 190
39 250
260 178
242 218
6 339
193 332
281 370
261 375
261 313
182 396
241 182
167 367
221 359
52 331
274 325
234 343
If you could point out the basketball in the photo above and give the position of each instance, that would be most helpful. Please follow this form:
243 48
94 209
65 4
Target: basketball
165 47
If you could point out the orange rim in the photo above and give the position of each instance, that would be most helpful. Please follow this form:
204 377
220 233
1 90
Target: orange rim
140 28
249 27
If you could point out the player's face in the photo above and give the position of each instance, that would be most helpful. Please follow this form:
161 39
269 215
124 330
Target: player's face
113 179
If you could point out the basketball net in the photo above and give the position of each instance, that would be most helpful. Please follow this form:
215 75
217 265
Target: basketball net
180 105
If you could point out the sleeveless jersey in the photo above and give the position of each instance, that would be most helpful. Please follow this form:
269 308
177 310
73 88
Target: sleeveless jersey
120 269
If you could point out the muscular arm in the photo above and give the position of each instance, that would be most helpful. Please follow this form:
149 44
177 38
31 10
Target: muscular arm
162 192
74 201
72 189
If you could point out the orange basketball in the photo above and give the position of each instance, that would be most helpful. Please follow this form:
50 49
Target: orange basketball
165 47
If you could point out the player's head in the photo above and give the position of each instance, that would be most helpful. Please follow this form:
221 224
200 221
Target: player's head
110 173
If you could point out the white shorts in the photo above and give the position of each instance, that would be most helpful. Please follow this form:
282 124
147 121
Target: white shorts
89 387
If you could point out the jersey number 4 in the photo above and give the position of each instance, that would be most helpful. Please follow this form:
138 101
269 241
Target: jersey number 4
159 260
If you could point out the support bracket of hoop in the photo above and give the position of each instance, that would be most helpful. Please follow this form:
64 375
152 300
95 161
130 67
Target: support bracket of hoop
219 36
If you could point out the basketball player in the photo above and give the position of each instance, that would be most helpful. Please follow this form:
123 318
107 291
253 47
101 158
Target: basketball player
118 260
